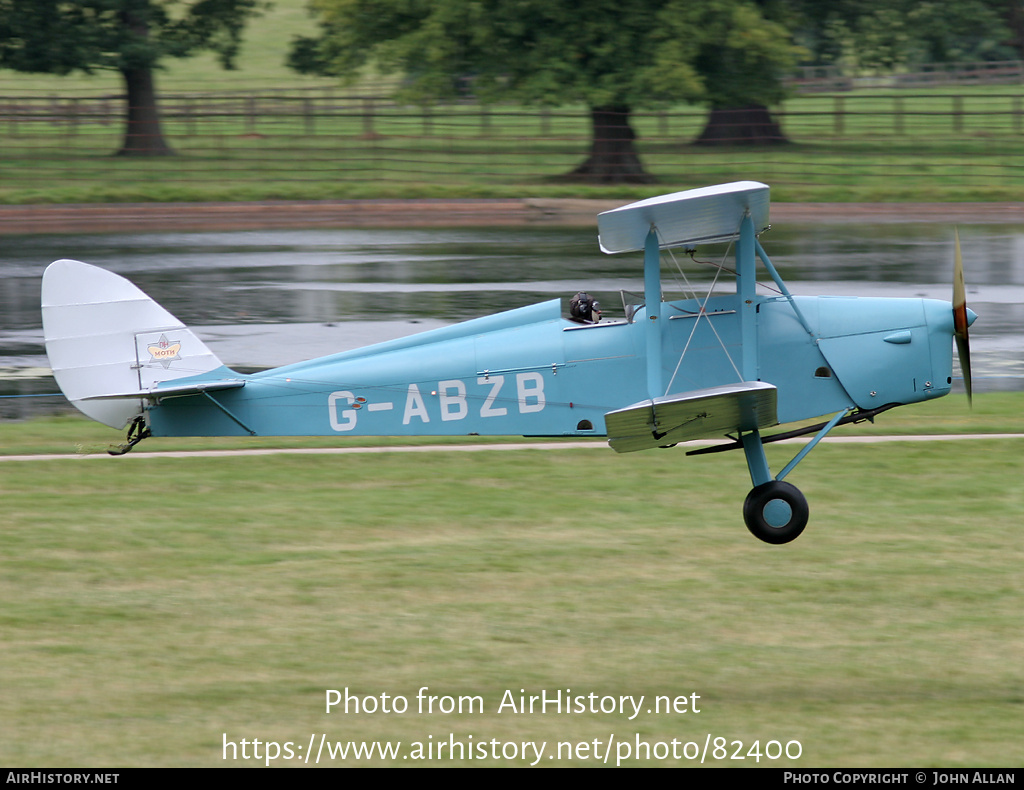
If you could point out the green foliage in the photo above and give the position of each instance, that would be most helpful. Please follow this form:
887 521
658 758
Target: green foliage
742 56
58 37
945 32
551 52
880 35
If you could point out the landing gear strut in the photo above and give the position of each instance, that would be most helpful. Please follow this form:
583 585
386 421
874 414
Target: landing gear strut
137 431
775 512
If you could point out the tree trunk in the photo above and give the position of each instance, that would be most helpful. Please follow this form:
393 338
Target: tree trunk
1014 17
143 136
613 158
750 125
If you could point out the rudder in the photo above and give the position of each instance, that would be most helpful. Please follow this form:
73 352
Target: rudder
109 343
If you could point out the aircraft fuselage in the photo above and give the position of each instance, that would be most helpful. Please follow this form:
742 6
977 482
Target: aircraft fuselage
532 372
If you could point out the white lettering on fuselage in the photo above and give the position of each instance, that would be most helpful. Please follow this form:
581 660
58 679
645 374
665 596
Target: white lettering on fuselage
488 410
414 406
530 389
346 419
453 407
452 399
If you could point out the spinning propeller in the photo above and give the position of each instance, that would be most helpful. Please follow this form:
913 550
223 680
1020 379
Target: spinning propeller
961 320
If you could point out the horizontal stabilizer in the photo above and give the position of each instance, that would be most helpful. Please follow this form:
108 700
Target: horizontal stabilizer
176 390
696 216
699 414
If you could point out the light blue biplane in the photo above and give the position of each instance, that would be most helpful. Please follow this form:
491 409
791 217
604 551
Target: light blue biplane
729 365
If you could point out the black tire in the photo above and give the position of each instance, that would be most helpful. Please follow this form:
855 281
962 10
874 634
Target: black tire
775 512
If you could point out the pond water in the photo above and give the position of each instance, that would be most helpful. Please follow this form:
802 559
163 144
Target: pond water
262 299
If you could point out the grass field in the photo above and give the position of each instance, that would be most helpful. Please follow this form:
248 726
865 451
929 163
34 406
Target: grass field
155 608
270 157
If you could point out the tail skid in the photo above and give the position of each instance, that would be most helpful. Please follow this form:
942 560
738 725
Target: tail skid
110 345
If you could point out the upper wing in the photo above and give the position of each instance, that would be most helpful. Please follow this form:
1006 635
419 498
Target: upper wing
696 216
746 406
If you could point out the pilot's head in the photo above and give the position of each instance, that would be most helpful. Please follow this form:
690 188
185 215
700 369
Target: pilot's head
584 308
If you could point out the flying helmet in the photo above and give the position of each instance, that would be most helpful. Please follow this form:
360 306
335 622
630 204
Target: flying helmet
583 306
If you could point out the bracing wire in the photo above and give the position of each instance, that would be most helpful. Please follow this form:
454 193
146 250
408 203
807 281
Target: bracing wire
701 311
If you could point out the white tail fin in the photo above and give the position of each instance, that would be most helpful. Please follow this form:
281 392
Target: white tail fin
109 343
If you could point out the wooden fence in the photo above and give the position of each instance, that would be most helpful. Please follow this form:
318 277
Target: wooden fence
322 112
318 141
810 79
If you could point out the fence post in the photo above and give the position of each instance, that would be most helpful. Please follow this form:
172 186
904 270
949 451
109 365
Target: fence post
74 109
838 113
958 113
897 115
368 111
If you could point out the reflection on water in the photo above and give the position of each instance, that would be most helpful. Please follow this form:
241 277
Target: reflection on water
267 298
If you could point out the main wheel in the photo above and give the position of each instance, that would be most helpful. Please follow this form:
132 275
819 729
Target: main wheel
775 512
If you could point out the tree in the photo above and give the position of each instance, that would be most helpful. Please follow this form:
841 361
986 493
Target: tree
882 35
614 57
742 58
130 36
1012 13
